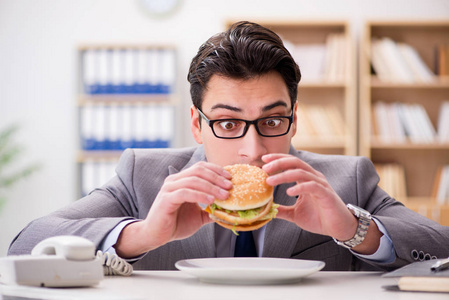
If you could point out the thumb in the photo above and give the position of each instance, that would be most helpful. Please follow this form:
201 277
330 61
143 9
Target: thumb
285 213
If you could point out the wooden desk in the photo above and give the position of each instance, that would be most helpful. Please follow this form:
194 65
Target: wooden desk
178 285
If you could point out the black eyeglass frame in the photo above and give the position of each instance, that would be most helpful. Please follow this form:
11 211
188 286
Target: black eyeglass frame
247 124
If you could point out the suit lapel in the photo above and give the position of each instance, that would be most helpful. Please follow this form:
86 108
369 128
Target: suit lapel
202 243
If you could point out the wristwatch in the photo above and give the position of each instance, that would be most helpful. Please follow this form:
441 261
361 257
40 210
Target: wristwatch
364 220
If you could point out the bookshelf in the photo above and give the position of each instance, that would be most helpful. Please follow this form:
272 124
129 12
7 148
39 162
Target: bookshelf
417 146
126 99
325 53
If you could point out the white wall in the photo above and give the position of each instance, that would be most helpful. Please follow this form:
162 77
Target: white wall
38 39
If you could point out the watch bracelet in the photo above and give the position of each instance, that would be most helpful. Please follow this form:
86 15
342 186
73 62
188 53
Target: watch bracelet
361 232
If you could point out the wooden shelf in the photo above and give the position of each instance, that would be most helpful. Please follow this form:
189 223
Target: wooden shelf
377 144
321 84
421 161
438 83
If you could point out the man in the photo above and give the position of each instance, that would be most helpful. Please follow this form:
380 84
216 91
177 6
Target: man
244 88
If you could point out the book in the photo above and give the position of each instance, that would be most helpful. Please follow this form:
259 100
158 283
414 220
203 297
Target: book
421 72
398 62
335 59
443 123
379 65
419 276
396 121
322 123
322 62
389 53
441 185
310 58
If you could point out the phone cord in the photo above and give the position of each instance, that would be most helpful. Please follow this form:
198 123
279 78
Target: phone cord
114 265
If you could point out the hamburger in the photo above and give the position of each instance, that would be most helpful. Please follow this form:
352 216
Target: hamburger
250 202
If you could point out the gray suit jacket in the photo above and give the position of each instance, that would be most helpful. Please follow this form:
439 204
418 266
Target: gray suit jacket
141 173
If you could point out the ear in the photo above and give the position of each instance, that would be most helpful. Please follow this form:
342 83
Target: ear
295 120
195 125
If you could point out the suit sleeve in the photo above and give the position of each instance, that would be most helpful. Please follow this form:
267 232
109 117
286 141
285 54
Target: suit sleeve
408 230
92 217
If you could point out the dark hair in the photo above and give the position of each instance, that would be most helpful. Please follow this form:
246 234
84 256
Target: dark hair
246 50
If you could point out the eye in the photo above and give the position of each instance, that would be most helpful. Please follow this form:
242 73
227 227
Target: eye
272 123
228 125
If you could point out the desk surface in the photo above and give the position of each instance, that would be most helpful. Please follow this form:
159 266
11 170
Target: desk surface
178 285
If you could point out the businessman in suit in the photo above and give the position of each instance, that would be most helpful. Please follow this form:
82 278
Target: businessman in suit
244 92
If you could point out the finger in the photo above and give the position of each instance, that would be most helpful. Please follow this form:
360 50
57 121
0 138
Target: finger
309 188
272 156
199 185
278 162
295 175
170 202
212 173
205 166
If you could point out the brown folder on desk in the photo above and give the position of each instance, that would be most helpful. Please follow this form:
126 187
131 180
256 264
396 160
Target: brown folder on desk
419 277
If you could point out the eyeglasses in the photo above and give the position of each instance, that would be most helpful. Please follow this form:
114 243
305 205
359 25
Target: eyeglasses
237 128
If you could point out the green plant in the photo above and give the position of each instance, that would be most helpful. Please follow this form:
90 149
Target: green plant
9 153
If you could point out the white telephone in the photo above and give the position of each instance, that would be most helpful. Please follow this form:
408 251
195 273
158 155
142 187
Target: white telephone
61 261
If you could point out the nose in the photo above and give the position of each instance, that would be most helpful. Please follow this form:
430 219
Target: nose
252 148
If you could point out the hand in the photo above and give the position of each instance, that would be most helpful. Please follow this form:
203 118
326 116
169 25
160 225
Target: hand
318 209
175 213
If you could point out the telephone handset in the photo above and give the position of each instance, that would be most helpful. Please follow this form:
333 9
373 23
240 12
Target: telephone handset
69 247
62 261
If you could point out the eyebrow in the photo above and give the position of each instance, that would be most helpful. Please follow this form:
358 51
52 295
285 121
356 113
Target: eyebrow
224 106
237 109
275 104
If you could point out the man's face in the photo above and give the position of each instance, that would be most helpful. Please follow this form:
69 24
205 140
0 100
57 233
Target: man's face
226 98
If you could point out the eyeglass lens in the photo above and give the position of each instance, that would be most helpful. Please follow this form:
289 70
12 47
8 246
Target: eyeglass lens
272 126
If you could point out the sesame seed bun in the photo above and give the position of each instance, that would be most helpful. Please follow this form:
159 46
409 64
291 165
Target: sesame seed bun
249 192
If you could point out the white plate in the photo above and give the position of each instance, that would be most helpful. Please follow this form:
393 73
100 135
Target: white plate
255 270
